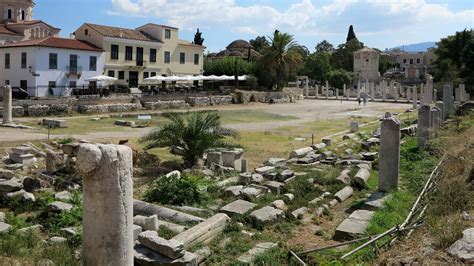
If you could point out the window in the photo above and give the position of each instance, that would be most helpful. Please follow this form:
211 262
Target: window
23 60
167 57
72 84
86 32
52 84
7 61
93 63
167 34
145 75
7 82
404 61
9 14
111 73
153 74
114 52
411 61
24 84
121 75
53 61
153 55
182 58
418 60
23 15
128 53
196 59
73 63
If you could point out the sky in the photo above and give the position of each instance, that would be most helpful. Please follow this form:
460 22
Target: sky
378 23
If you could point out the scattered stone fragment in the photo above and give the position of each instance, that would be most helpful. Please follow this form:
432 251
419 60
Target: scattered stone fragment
145 256
59 206
354 126
175 173
2 217
233 190
318 230
275 187
63 195
153 223
258 249
57 240
4 227
21 196
326 141
202 254
333 203
353 226
375 201
238 207
279 204
299 213
257 178
10 186
136 231
68 232
204 231
361 178
253 191
227 181
31 184
306 160
344 177
344 193
266 215
36 228
170 248
6 174
285 174
369 156
319 211
265 170
288 197
464 247
320 147
299 153
275 162
15 166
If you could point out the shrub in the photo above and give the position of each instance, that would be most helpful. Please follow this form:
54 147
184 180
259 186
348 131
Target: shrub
174 190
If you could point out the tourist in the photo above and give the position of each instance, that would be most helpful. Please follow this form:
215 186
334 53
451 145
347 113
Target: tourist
359 100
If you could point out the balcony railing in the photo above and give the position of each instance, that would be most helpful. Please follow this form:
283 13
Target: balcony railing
73 71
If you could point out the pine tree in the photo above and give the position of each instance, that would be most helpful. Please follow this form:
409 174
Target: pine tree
350 34
198 38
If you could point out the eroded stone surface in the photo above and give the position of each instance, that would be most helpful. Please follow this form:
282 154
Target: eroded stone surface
238 207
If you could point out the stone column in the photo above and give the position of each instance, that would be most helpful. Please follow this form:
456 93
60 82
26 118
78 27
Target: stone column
415 97
435 116
440 105
389 153
358 89
448 101
337 94
108 204
7 105
327 89
423 130
383 88
317 91
347 92
396 89
372 91
366 86
462 87
408 93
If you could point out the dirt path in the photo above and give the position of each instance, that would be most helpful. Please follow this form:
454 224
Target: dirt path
305 111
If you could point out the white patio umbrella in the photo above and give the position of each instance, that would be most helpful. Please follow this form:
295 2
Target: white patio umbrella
102 78
244 77
157 78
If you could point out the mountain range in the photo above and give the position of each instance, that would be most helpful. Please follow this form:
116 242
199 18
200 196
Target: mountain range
416 47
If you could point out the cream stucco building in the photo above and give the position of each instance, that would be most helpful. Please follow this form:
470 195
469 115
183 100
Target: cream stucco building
131 55
366 65
17 23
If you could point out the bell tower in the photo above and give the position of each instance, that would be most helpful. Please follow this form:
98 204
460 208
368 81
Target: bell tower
16 10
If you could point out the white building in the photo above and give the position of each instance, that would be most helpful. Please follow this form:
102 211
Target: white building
49 66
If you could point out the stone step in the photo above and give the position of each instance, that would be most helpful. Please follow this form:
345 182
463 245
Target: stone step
353 226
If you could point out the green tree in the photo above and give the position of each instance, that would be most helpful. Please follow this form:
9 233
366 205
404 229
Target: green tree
317 66
385 64
339 77
190 135
343 55
350 34
198 38
282 56
324 46
303 50
259 43
230 66
455 60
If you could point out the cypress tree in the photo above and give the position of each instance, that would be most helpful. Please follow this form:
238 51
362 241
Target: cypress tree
350 34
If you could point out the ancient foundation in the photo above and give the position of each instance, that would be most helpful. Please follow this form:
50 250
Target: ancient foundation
108 204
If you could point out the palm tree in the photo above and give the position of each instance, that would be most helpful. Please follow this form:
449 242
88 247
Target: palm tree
188 135
283 55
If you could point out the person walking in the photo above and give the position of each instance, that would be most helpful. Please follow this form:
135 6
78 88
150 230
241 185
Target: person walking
359 100
365 101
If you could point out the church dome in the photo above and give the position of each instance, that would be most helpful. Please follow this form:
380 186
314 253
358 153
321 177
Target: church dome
238 44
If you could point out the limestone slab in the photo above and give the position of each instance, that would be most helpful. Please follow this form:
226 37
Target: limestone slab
238 207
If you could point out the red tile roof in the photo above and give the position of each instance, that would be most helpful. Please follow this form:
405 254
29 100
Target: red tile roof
122 33
55 42
31 22
4 30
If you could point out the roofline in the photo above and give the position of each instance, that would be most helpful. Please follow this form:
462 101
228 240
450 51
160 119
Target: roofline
91 25
12 33
34 23
159 25
18 44
193 45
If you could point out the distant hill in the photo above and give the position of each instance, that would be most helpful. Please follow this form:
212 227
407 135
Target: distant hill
416 47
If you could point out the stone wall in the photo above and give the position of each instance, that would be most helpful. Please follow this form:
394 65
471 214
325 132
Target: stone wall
246 97
108 108
211 100
172 104
40 110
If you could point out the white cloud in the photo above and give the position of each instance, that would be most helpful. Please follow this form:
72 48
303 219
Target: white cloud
302 18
